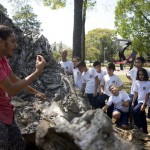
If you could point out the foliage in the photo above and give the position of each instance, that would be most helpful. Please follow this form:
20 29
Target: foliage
101 39
54 4
126 83
24 16
56 55
132 19
26 19
92 54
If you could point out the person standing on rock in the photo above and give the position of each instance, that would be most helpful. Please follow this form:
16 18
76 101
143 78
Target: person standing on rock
66 64
10 85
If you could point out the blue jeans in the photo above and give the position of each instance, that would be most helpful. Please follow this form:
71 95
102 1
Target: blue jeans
140 118
92 99
123 120
100 101
148 112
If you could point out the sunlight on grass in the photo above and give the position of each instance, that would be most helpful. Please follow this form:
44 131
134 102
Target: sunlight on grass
126 83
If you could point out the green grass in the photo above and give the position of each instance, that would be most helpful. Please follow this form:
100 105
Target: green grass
126 83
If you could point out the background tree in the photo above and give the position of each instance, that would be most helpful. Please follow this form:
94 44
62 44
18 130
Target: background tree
132 19
92 54
102 40
87 4
27 20
80 7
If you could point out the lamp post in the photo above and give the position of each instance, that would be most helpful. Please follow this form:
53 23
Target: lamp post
104 53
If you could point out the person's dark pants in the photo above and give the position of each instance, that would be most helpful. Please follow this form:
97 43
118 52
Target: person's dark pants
10 137
111 107
123 120
140 118
92 99
130 109
100 101
148 112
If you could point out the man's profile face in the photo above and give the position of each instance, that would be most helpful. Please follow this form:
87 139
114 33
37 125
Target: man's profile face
75 62
9 45
98 68
81 69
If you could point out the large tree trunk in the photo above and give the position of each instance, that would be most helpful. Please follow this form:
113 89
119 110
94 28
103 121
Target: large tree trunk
83 30
77 32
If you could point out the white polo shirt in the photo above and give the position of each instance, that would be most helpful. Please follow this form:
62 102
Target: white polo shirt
89 78
77 75
67 65
142 88
110 80
133 74
118 100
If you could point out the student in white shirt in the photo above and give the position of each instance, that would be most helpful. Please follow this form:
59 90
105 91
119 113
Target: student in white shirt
120 99
110 79
100 98
77 75
100 73
141 90
132 74
148 105
89 82
66 64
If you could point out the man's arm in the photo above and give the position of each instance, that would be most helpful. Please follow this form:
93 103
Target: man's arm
83 88
125 103
96 86
14 88
145 102
28 88
105 108
134 99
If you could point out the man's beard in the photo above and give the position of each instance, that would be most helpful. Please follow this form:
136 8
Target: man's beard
6 50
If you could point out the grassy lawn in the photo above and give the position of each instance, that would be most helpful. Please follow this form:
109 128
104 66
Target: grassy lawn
126 83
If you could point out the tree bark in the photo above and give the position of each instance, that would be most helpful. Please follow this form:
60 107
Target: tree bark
77 32
83 31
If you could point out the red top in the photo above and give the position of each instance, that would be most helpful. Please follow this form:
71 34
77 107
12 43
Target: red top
6 108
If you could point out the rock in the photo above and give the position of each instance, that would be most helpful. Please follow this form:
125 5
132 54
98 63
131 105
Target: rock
92 131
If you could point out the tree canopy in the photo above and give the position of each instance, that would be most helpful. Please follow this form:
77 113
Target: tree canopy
101 40
27 20
132 19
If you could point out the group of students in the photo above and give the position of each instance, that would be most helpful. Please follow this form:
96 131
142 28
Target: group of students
104 90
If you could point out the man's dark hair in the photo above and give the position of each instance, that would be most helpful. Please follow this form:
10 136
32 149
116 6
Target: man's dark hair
144 71
111 66
5 32
81 64
96 63
78 58
141 59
